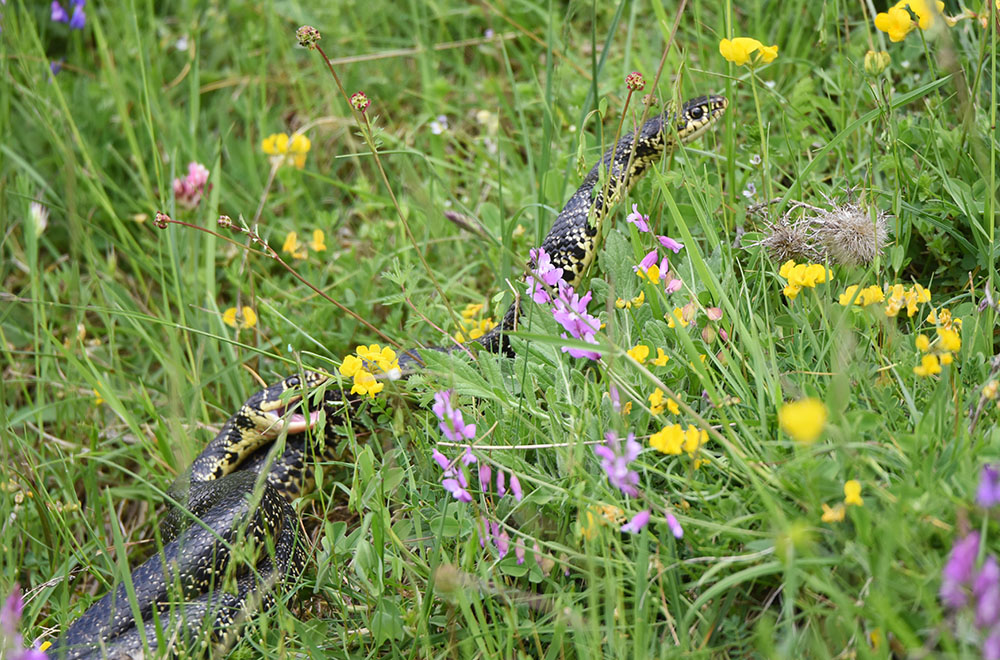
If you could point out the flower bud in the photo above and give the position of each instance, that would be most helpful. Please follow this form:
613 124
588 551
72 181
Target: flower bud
308 36
876 63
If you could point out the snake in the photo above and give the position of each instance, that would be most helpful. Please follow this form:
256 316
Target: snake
192 597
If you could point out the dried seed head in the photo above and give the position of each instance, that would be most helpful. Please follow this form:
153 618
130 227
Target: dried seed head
308 36
849 235
784 241
161 220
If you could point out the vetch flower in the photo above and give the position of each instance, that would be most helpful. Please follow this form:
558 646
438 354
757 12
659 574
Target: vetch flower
957 573
636 524
546 274
988 493
78 20
570 311
501 483
739 50
515 487
670 244
986 590
451 423
640 221
519 552
485 474
615 460
58 14
454 487
803 420
675 526
245 318
852 493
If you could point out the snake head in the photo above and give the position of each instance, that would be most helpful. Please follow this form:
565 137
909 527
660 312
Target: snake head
278 408
698 115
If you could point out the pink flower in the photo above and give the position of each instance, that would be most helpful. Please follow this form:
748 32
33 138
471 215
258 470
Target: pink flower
646 262
519 553
640 221
638 521
442 461
675 526
515 487
455 488
451 423
670 243
484 476
615 461
546 274
501 487
189 190
673 285
468 458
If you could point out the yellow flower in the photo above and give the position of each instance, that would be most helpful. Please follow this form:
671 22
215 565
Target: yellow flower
282 148
896 22
318 242
293 247
872 295
925 15
669 439
836 514
800 276
680 317
923 343
848 295
738 50
661 358
656 403
852 493
639 353
929 366
234 319
474 329
365 383
384 358
946 358
98 399
351 365
471 310
673 407
803 420
694 438
634 302
990 389
950 339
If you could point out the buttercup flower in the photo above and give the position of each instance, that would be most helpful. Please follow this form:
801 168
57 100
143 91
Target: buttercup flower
284 149
803 420
738 51
895 22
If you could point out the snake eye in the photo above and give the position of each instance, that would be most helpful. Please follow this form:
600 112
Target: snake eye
292 381
696 112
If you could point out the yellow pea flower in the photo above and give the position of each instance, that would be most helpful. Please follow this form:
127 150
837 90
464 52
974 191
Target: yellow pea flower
669 439
318 242
639 353
661 358
852 493
246 318
929 366
293 247
656 403
832 515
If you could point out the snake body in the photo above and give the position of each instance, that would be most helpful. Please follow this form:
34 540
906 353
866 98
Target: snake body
236 493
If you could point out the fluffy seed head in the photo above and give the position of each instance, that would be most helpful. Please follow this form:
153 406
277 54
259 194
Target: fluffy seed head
848 234
784 240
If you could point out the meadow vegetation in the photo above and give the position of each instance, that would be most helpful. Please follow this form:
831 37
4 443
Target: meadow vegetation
771 436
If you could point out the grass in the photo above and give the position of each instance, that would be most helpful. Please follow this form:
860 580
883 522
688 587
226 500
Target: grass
118 367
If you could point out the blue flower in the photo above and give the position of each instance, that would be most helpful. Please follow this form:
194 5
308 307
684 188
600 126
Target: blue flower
79 19
59 14
988 493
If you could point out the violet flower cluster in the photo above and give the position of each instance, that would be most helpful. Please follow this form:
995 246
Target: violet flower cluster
11 643
77 20
648 267
569 309
964 587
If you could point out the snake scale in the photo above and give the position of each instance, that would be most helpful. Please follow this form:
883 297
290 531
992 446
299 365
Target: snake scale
192 597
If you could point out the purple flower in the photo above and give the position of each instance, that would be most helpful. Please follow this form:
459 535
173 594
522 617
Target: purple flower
638 521
640 221
55 66
501 487
468 458
957 572
537 552
484 532
484 476
570 311
500 539
59 14
646 262
988 493
189 190
986 589
670 243
673 285
515 487
616 401
79 19
991 647
455 488
675 526
615 462
452 424
519 552
443 461
10 613
547 274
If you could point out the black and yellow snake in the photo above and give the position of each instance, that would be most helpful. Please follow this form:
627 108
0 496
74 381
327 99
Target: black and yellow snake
188 598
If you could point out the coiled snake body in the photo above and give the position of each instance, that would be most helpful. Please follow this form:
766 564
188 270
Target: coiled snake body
188 598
